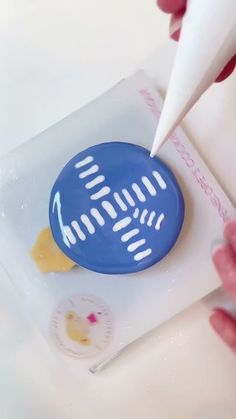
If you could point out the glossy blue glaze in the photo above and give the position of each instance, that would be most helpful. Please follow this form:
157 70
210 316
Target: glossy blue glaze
113 209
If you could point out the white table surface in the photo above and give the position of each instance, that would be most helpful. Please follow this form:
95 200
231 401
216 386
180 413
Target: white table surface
55 57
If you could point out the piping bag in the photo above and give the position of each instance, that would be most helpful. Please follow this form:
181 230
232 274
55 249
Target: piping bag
207 42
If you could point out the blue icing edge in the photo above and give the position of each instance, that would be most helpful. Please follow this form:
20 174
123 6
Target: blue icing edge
115 210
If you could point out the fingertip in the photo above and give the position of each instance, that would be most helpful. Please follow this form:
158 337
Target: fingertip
217 245
223 259
216 320
225 264
225 326
171 6
230 233
219 255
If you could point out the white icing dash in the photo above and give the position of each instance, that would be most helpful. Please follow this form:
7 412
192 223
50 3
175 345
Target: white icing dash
128 197
127 236
120 202
96 214
138 192
136 213
82 163
142 255
149 186
122 224
159 221
134 246
69 234
109 209
159 180
143 216
95 181
93 169
78 230
86 221
103 192
151 218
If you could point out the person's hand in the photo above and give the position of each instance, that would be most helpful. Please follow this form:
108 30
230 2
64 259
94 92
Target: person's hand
224 258
177 9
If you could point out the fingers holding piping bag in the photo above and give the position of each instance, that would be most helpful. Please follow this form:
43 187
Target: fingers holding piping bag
177 9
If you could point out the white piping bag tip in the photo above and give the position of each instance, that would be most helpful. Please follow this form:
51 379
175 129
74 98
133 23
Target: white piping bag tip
156 146
153 149
159 140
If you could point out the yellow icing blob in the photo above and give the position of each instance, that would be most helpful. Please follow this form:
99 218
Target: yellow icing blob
77 328
47 255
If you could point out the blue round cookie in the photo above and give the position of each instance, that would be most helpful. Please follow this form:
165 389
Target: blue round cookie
114 210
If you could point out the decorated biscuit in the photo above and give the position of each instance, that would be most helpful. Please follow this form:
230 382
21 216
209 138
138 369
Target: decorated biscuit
115 210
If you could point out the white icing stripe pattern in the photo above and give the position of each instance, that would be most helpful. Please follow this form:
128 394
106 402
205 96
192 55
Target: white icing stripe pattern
109 209
138 192
151 218
95 181
122 224
103 192
78 230
127 236
93 169
149 186
69 234
142 255
128 197
136 213
84 162
86 221
143 216
98 217
134 246
119 201
159 179
159 221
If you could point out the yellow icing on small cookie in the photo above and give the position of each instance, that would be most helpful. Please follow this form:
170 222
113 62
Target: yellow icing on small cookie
77 328
47 255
